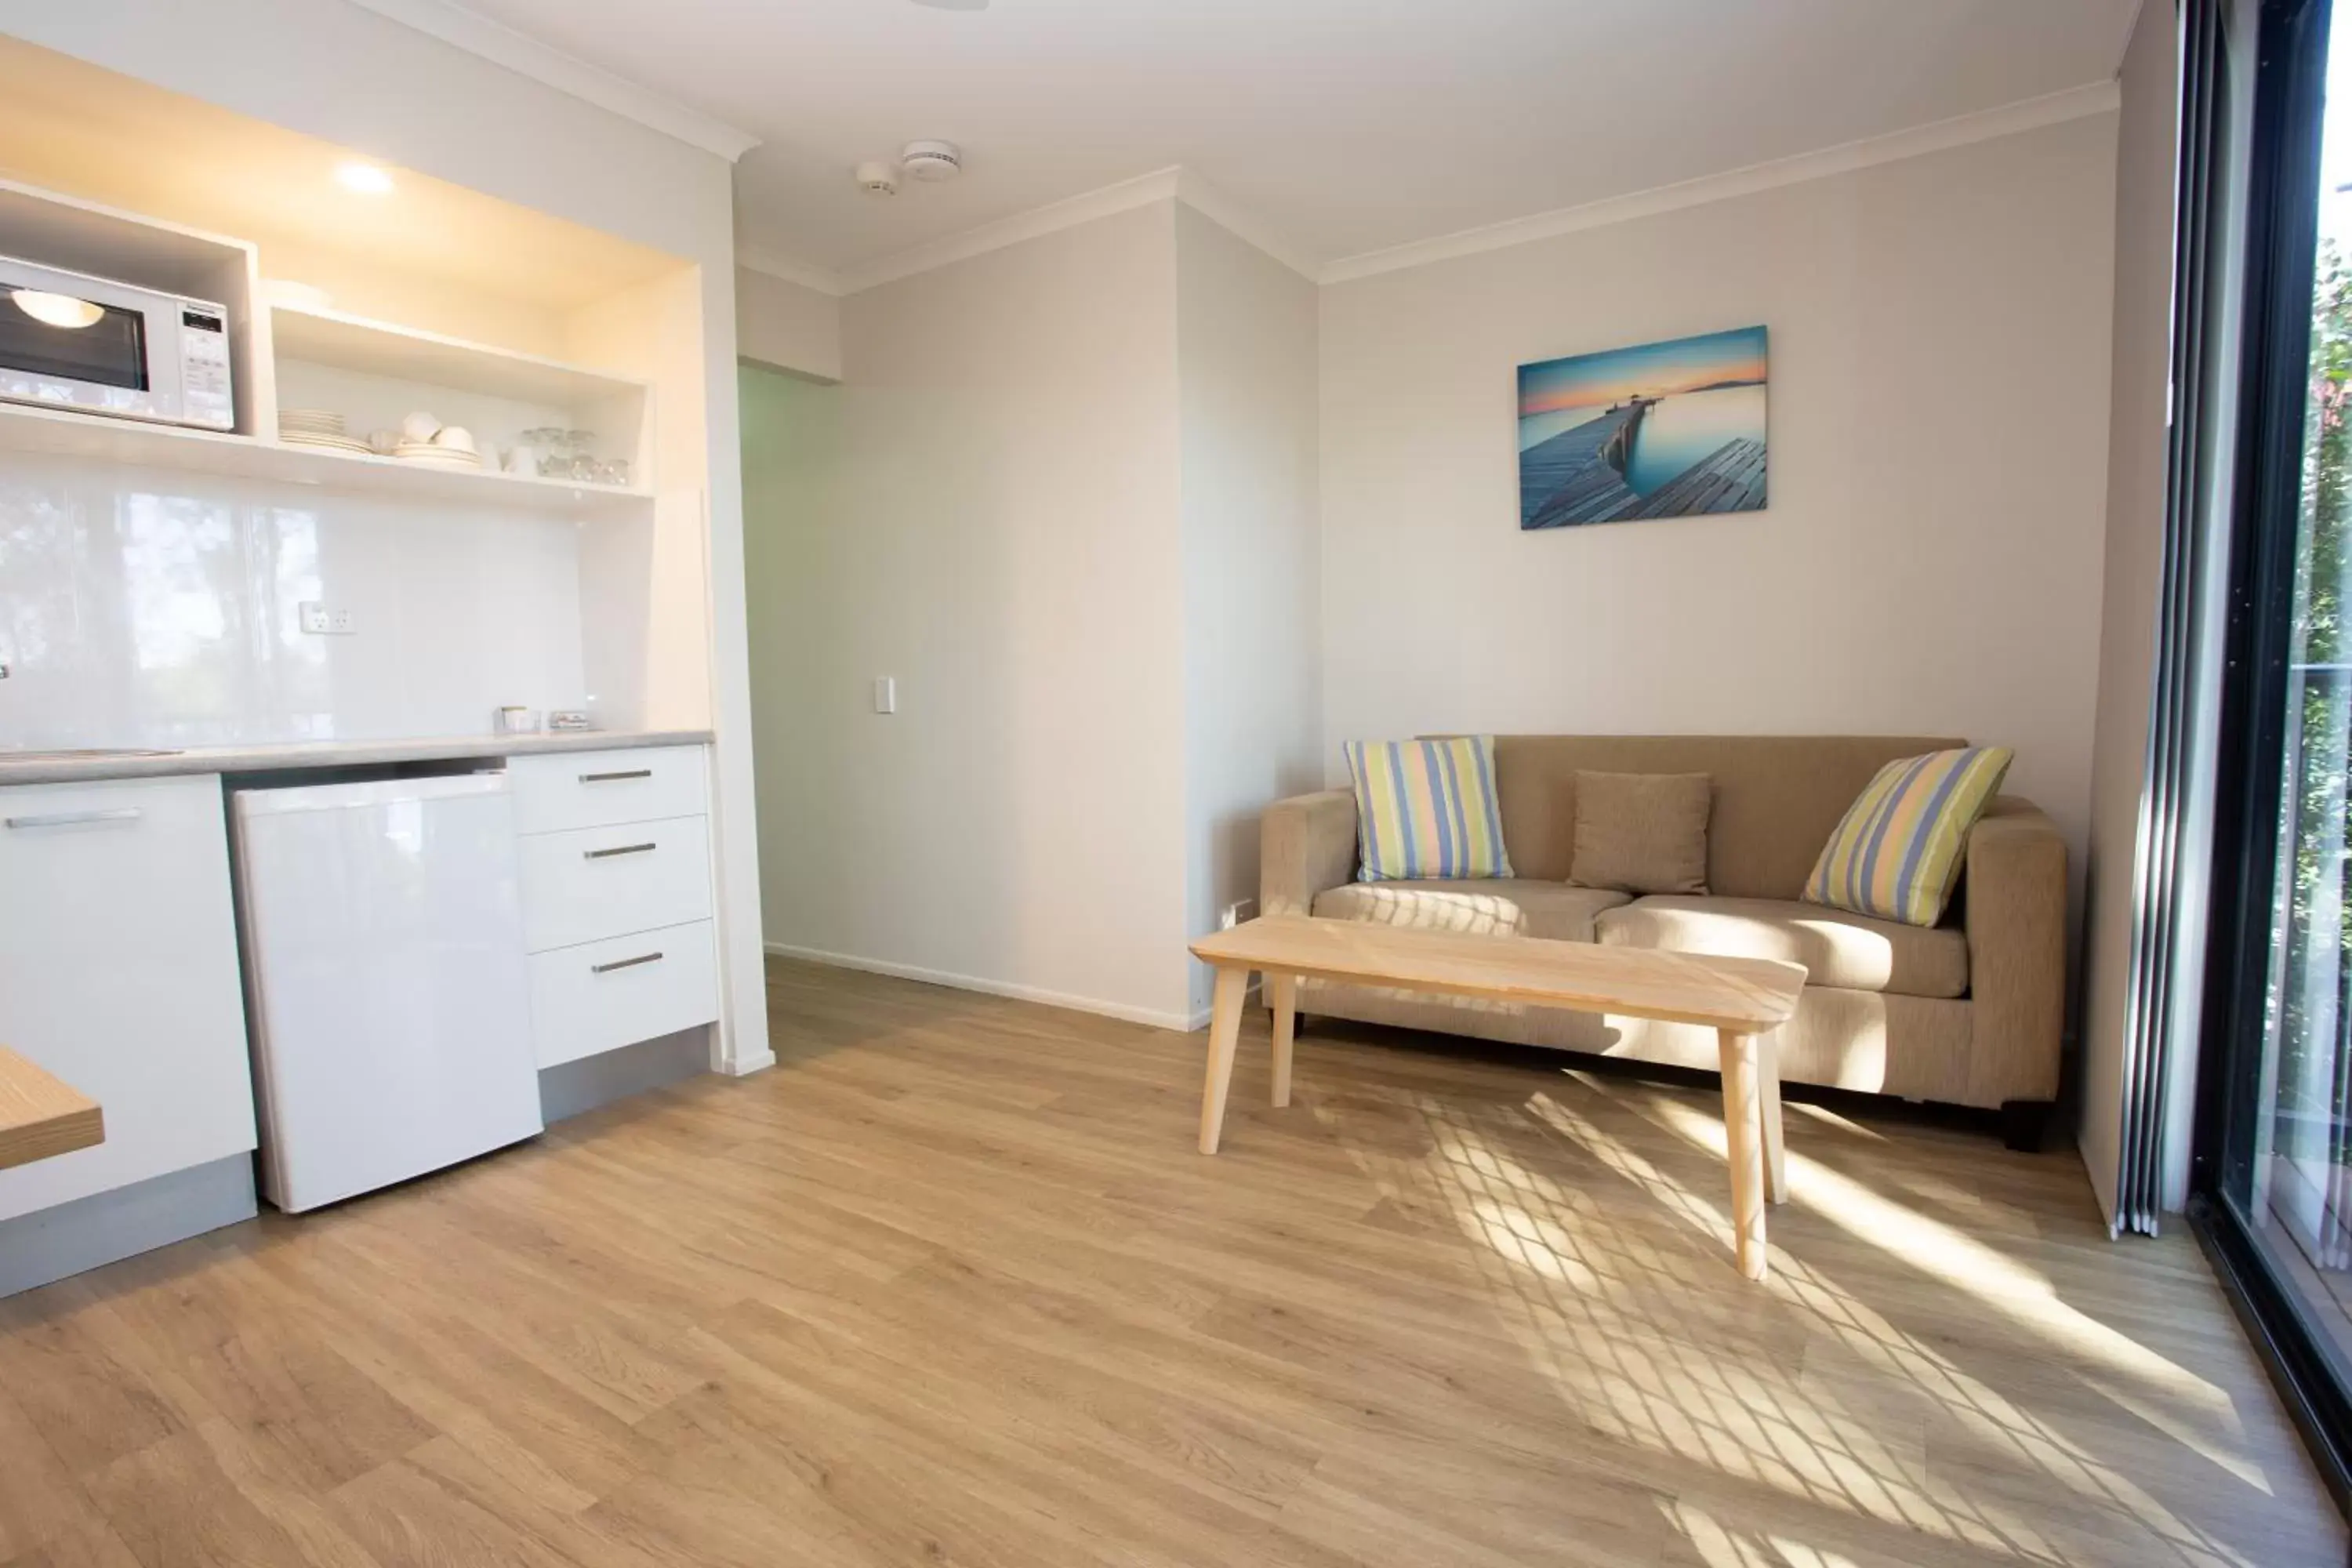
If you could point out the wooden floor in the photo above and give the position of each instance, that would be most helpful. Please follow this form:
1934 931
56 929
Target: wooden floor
951 1286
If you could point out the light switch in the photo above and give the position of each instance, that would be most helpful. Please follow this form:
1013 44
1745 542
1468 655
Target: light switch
886 694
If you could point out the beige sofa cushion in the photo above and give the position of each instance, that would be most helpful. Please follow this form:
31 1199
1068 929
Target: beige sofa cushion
1776 797
1500 906
1641 833
1853 953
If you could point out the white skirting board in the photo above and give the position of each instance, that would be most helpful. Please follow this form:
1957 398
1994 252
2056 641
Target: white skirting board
1180 1022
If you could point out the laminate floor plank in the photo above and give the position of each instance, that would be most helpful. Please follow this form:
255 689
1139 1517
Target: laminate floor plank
950 1285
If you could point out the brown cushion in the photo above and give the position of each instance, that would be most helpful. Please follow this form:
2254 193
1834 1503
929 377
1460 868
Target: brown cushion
1486 906
1854 952
1642 833
1776 797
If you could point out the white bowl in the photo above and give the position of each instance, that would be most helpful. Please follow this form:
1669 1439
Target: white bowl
420 427
455 436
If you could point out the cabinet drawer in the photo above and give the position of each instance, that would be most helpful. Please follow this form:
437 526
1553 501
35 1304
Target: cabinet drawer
555 792
119 974
597 882
601 995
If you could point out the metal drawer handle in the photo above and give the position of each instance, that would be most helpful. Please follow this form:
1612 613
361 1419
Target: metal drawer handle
624 964
623 849
76 818
608 778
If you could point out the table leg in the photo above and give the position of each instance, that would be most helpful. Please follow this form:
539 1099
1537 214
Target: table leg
1281 993
1224 1033
1768 1093
1742 1132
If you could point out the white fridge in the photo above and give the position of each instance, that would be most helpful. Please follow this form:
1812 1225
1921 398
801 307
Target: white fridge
388 994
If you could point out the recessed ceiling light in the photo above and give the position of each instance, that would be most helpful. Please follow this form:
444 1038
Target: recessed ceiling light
364 178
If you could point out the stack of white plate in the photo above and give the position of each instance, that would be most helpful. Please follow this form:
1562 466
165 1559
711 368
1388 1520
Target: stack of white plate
316 427
436 456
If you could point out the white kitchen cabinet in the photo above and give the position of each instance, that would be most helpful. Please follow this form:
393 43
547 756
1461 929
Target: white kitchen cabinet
119 974
601 995
558 790
617 896
607 881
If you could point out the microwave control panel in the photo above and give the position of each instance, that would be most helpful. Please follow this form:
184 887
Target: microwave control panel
206 394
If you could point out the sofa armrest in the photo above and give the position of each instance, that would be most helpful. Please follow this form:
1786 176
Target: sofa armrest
2017 952
1305 845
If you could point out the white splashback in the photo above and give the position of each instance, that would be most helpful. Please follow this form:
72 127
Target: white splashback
153 607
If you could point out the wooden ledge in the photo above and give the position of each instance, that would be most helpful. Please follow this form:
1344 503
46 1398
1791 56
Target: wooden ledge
41 1116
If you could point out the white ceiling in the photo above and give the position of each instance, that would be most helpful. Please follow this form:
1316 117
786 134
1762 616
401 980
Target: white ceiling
1339 126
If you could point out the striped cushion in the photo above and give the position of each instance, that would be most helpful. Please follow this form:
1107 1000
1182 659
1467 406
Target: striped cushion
1426 808
1897 853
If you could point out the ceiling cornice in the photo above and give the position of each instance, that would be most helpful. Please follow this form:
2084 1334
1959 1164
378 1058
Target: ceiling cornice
824 280
1160 186
1173 184
526 56
1182 184
2008 119
1213 204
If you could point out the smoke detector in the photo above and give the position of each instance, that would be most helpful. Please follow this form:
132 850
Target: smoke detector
931 160
876 178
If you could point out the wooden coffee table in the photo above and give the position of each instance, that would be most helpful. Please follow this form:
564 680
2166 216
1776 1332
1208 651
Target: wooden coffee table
1742 999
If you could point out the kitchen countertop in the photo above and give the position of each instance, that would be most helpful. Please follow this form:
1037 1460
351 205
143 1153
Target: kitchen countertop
333 754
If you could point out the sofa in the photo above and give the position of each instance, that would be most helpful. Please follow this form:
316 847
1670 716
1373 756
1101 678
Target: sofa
1968 1013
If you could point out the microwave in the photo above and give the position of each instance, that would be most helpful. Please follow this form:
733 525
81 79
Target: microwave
69 340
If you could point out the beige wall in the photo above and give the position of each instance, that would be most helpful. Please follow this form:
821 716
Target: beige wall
792 469
787 325
1000 536
1253 697
1931 559
1065 494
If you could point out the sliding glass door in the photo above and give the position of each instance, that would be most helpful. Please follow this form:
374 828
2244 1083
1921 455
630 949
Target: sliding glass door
2288 1161
2274 1158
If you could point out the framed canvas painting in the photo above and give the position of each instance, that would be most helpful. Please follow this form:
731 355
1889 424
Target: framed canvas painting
1667 429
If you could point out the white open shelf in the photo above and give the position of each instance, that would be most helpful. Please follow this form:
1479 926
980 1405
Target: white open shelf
62 432
408 354
375 374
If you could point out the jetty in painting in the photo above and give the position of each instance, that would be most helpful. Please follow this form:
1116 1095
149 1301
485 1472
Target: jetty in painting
1667 429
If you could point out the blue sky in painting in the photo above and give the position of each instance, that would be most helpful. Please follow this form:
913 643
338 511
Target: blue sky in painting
1652 370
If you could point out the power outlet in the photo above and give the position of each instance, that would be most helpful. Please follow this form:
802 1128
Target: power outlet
1236 912
317 620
